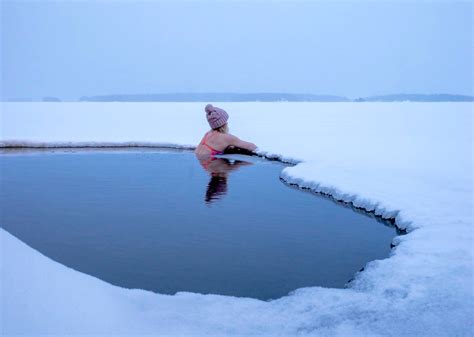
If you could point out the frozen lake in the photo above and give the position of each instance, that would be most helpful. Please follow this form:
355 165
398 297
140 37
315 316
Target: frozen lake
166 222
408 161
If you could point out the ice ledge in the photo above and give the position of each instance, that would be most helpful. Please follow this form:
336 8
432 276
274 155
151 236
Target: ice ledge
352 199
19 144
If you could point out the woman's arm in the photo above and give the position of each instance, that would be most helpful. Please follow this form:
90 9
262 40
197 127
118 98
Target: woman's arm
235 141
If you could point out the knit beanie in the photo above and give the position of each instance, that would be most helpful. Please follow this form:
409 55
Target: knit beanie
216 117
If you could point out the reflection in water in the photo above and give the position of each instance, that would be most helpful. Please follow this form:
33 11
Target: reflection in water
216 188
218 169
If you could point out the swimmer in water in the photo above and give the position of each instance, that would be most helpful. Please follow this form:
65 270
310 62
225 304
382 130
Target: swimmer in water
218 139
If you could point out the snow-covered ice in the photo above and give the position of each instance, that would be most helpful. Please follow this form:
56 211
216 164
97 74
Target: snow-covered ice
410 161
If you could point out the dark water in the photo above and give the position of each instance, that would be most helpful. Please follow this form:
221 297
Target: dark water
165 222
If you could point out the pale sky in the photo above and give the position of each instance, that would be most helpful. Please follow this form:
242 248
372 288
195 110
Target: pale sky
70 49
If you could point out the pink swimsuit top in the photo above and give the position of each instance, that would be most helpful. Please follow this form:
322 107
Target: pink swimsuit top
213 150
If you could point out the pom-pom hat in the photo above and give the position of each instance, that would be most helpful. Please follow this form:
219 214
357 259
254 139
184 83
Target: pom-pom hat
216 117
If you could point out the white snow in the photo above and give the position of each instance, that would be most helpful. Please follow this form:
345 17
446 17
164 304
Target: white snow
411 161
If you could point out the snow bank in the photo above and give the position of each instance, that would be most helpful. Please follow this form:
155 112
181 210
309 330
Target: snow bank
411 161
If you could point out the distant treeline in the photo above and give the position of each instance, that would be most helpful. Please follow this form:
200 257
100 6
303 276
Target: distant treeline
272 97
259 97
417 98
216 97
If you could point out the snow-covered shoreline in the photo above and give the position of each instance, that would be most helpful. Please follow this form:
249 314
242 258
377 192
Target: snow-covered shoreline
408 161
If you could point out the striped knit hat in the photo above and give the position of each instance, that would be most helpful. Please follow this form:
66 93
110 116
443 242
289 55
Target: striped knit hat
216 117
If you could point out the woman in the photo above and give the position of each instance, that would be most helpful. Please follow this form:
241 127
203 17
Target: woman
217 140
